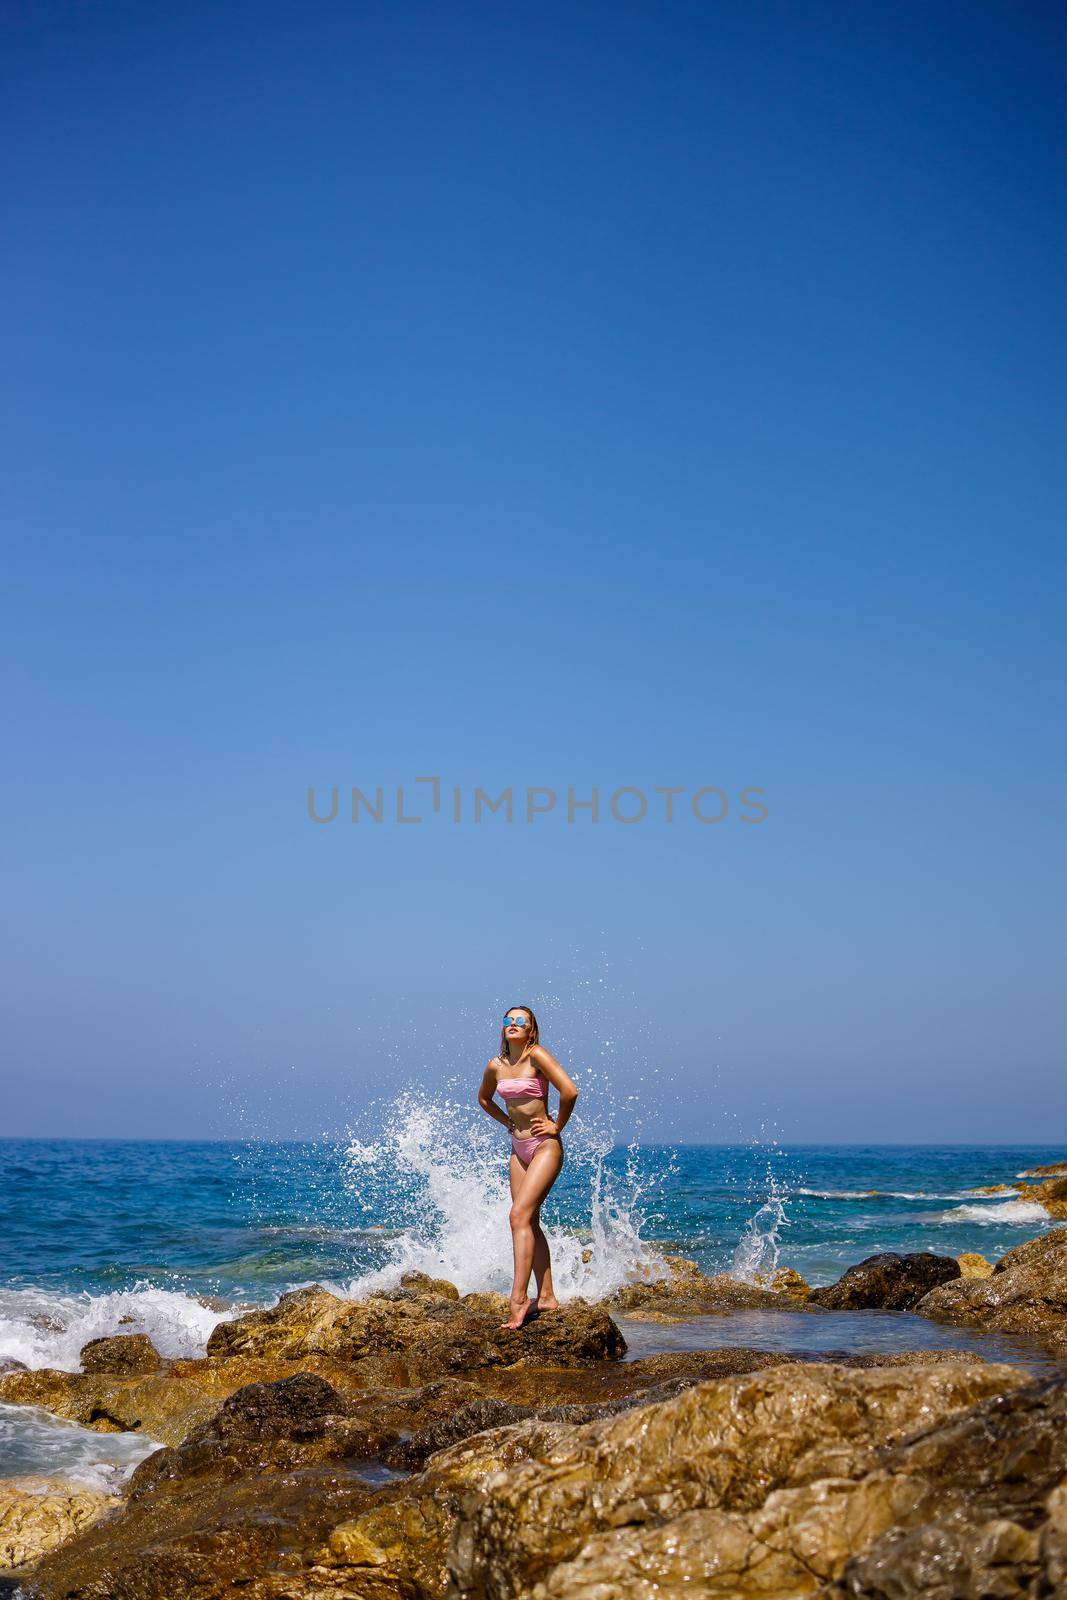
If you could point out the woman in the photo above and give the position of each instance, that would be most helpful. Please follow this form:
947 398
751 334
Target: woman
521 1074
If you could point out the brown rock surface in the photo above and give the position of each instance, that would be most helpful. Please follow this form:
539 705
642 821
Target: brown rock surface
419 1338
889 1282
720 1447
123 1353
1052 1194
38 1513
688 1292
972 1265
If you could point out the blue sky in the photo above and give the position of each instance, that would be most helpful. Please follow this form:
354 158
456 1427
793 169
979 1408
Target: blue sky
563 395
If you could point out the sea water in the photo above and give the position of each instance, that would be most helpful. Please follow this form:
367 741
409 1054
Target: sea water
170 1238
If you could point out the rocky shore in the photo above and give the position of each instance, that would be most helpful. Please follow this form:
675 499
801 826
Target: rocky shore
408 1446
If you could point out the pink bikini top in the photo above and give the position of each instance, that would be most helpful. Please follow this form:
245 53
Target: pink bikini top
513 1088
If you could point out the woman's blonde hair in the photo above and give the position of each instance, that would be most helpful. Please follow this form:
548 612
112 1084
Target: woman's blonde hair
533 1037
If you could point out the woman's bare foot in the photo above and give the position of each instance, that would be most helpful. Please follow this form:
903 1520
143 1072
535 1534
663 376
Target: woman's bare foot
519 1315
551 1304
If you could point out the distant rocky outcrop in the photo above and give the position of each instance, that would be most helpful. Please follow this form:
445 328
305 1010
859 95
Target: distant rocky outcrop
1050 1193
1055 1169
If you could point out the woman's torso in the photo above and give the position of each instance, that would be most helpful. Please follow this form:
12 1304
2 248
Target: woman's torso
523 1108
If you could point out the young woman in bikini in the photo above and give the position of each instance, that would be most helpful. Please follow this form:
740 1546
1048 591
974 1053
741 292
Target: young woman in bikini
521 1074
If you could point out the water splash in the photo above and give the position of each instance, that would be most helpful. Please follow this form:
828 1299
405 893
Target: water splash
758 1251
435 1182
41 1328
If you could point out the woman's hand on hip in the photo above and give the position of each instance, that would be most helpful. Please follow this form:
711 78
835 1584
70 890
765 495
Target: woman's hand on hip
540 1123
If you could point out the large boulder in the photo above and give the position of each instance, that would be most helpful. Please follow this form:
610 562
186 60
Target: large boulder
890 1281
721 1447
1025 1293
414 1337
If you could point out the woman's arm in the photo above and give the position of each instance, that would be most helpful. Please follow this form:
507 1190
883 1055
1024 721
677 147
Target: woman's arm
568 1091
486 1101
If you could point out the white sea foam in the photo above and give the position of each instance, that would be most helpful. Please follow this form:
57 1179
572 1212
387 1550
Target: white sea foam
33 1441
998 1211
891 1194
41 1328
447 1198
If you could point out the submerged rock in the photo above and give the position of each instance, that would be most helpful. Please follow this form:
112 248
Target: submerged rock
1025 1293
890 1281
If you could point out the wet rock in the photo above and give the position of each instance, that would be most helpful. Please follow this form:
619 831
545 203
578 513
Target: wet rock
688 1292
262 1427
789 1282
1025 1293
993 1479
206 1540
972 1265
37 1514
295 1423
1052 1194
913 1358
408 1526
163 1405
124 1353
429 1288
890 1281
726 1447
487 1301
583 1396
475 1417
424 1336
1052 1547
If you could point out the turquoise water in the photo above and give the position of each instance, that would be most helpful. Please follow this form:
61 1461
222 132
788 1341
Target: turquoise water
241 1221
169 1238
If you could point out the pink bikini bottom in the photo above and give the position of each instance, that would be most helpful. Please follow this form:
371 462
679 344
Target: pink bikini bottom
524 1148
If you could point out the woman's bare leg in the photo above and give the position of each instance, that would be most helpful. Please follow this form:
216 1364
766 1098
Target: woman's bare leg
542 1259
538 1178
542 1266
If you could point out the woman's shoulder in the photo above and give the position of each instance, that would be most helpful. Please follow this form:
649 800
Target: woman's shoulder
539 1056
